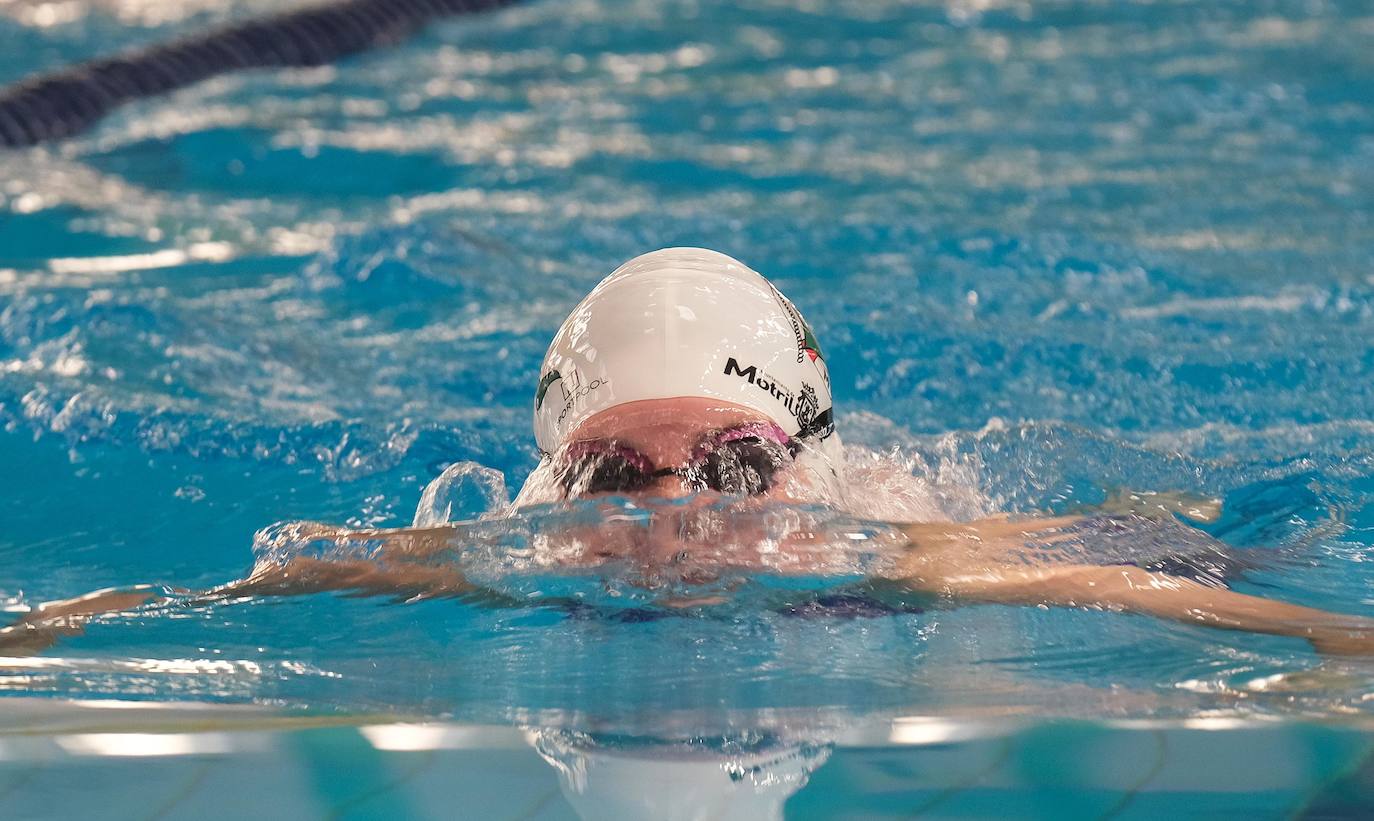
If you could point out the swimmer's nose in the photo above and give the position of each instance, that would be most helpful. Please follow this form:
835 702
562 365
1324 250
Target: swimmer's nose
672 487
678 532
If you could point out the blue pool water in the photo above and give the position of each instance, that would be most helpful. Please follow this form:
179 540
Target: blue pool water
1056 253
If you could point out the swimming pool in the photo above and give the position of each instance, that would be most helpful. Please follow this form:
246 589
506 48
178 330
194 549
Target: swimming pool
1056 252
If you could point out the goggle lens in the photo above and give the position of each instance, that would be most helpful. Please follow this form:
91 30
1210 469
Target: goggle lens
741 461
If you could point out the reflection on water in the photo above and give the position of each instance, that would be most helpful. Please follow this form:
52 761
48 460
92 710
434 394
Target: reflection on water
189 760
635 779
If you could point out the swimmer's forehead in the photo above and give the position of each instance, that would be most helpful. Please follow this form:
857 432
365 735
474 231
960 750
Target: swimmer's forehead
654 417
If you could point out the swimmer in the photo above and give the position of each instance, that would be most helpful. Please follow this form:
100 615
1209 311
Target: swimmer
688 378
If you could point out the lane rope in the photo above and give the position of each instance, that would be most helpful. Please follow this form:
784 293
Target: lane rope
65 102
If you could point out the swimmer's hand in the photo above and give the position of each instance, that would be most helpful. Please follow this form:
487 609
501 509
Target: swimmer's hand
47 623
1350 640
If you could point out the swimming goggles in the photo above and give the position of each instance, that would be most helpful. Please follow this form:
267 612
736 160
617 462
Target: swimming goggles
743 460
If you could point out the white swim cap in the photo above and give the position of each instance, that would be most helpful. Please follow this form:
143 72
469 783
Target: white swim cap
683 322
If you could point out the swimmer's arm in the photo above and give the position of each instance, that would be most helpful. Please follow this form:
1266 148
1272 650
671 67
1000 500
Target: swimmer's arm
47 623
394 565
949 561
1172 597
303 575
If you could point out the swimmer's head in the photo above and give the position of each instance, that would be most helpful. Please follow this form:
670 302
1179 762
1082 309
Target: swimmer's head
684 322
685 372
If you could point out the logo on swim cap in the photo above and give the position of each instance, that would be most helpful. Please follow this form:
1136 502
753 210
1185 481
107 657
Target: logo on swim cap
544 383
575 390
806 406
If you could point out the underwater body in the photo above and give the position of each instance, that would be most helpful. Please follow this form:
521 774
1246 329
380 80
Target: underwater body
1061 257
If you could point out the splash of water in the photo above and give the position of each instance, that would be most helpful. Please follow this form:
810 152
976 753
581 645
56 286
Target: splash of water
712 549
620 551
464 489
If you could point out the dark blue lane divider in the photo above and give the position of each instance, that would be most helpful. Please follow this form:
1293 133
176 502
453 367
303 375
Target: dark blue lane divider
62 103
